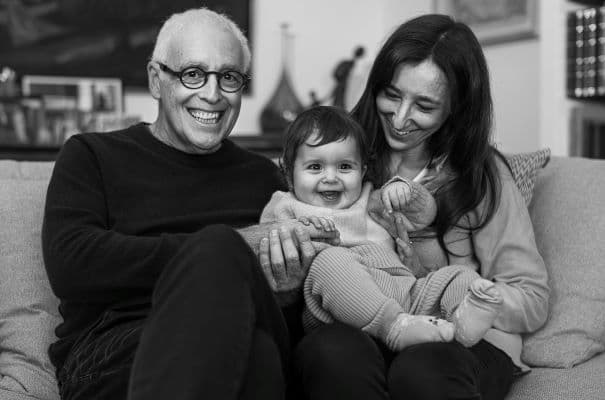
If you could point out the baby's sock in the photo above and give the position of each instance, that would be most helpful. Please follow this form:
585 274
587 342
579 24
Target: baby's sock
408 329
477 312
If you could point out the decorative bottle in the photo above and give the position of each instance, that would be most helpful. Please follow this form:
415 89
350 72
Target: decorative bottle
283 106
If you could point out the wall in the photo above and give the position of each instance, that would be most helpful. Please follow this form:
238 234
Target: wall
514 72
323 34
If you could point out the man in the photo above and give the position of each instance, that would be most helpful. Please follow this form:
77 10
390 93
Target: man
161 297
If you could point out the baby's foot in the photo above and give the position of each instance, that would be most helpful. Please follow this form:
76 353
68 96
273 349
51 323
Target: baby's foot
414 329
477 312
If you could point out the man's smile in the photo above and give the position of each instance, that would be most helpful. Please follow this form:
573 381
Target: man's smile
206 117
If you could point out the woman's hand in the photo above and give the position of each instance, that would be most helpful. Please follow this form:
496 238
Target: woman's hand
285 256
395 196
405 248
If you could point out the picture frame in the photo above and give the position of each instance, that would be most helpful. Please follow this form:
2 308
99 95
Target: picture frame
53 108
94 38
494 21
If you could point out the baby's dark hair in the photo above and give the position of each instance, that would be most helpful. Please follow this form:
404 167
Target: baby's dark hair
332 124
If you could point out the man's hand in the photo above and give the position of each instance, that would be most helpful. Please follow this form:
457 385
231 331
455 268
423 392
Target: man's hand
286 251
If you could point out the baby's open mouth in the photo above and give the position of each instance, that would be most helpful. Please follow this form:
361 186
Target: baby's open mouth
330 195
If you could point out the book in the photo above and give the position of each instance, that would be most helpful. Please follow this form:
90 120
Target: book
571 55
589 64
600 67
579 53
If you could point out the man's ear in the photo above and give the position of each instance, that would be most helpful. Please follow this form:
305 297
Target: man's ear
153 77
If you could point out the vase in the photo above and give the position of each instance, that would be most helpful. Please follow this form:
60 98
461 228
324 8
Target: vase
283 106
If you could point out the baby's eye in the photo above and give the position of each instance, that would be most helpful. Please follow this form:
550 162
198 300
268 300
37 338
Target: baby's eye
314 167
346 166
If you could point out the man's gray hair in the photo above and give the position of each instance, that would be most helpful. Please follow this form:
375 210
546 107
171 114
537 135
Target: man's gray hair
176 22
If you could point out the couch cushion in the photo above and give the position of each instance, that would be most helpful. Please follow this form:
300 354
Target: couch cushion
28 308
582 382
569 222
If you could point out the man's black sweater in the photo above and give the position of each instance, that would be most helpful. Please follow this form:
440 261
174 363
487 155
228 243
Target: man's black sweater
120 204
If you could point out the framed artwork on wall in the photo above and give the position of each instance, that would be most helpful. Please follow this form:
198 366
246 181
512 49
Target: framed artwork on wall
53 108
93 38
494 21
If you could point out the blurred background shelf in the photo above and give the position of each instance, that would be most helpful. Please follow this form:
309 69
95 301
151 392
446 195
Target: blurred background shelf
267 145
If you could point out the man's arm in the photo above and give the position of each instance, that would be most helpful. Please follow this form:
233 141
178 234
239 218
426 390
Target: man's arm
84 257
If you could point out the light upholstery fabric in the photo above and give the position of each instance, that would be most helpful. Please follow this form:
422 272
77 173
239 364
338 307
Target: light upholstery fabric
525 168
28 309
583 382
568 214
569 190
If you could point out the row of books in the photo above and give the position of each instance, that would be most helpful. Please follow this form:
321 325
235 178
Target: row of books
586 53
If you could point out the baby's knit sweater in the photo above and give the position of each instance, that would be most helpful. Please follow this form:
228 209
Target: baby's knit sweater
354 223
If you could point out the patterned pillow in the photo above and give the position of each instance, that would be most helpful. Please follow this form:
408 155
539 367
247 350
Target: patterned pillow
525 167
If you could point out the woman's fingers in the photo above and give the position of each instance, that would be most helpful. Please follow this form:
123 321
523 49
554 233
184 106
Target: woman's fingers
386 201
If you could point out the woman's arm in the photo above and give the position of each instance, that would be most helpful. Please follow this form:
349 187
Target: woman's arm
506 251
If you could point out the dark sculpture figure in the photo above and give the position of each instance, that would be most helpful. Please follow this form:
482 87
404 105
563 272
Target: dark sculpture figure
341 75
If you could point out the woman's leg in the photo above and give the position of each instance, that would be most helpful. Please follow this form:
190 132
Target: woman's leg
215 330
443 371
337 361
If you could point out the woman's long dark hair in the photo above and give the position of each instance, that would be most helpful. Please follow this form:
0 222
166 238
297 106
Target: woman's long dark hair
465 135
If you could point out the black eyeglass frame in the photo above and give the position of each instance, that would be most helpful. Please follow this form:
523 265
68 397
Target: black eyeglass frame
219 75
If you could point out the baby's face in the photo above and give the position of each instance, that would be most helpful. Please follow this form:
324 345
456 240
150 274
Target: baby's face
330 175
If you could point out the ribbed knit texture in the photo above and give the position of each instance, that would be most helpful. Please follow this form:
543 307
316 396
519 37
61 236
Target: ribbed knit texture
366 286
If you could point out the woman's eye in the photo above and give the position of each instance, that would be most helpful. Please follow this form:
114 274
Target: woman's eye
392 94
425 108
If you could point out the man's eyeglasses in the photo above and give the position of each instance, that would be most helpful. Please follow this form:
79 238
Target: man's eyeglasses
195 78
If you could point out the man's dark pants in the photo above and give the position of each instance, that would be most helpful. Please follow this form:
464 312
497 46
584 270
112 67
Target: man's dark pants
213 330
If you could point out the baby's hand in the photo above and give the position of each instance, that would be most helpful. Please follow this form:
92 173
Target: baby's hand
395 195
320 223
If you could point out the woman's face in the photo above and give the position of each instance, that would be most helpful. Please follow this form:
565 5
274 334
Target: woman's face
413 106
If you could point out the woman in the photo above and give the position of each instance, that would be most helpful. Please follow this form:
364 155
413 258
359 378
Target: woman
427 110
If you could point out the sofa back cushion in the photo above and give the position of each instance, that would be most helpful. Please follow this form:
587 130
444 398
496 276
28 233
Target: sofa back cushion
28 308
568 213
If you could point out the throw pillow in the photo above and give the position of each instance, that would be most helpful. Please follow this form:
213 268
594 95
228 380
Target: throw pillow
525 167
569 224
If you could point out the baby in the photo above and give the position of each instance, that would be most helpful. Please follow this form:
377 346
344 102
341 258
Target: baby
362 282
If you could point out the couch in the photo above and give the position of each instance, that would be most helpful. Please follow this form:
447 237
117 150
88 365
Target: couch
566 355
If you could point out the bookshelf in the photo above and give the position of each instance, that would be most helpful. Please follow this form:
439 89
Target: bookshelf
585 77
269 145
585 51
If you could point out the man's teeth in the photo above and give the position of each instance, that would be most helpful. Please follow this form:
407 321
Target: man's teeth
206 117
